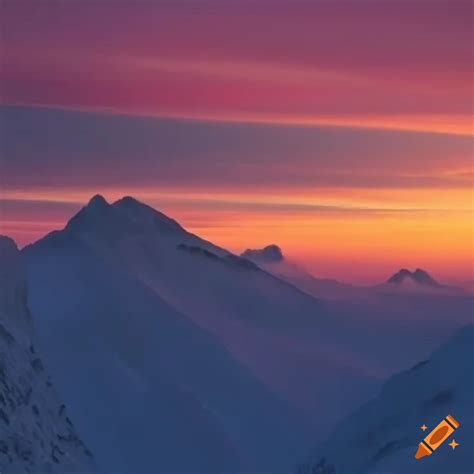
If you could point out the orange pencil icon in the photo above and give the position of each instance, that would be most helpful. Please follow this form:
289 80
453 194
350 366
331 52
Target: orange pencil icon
437 437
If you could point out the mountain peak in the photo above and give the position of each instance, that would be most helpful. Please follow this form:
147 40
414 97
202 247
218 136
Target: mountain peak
128 201
421 273
97 201
269 254
125 216
142 213
419 276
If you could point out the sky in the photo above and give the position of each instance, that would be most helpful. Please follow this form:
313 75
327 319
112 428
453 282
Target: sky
340 130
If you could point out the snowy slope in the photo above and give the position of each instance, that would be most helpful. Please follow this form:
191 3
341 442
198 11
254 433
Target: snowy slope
277 331
382 436
36 435
129 300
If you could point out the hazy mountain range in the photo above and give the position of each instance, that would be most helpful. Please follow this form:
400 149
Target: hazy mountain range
272 259
172 354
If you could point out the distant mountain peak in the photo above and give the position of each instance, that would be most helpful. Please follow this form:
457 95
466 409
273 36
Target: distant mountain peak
269 254
419 276
421 273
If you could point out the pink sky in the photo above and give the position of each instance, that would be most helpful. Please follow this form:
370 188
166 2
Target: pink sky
348 123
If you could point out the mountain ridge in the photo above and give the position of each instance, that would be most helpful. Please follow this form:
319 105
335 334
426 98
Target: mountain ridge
419 276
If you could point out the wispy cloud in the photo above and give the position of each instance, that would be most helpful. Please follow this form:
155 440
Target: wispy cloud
51 148
391 66
340 129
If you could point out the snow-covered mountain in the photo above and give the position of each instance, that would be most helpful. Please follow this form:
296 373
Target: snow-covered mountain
418 282
177 356
382 436
272 259
418 277
36 434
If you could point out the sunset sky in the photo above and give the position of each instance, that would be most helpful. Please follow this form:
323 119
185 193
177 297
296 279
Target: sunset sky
340 130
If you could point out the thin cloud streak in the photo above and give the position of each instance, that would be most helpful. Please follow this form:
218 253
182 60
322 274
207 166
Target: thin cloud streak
391 66
106 151
342 130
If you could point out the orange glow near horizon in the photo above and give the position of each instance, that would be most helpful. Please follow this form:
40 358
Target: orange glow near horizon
357 243
341 131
